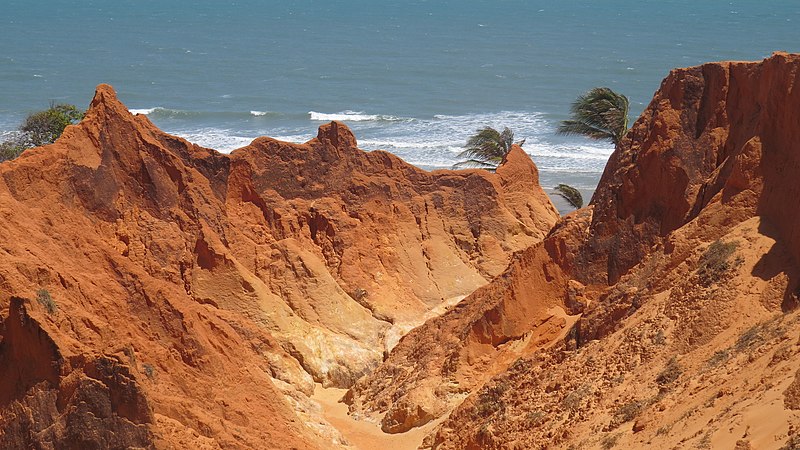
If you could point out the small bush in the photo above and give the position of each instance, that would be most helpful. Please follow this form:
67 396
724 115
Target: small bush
44 127
535 418
490 399
40 128
11 149
659 338
626 413
705 441
149 371
610 441
663 431
44 299
716 261
672 371
718 358
359 294
752 336
573 400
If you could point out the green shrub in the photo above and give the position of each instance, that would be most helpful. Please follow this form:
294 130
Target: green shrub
672 371
149 371
40 128
754 335
626 413
610 441
11 149
490 399
716 261
44 127
44 299
718 358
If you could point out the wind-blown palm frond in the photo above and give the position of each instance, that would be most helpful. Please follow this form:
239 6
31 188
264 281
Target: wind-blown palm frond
487 148
490 166
571 195
599 114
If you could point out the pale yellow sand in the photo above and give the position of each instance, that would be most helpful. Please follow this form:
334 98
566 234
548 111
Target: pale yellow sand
361 434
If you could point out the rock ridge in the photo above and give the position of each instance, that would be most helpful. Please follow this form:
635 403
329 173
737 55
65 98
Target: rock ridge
681 276
194 291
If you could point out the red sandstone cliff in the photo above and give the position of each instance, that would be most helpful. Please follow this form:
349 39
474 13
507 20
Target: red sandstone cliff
663 315
197 296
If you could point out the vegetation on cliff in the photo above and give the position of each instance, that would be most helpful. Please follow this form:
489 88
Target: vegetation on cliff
40 128
571 195
598 114
487 148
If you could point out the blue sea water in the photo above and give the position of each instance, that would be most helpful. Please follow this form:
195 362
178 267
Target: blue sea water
415 78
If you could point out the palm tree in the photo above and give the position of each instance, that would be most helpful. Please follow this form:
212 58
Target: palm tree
487 148
598 114
571 195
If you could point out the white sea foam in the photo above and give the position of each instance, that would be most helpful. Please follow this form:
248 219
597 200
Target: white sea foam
432 142
350 116
294 138
222 140
437 141
144 111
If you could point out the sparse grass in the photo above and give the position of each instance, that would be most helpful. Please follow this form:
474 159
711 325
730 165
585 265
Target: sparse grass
672 371
751 337
659 338
718 358
534 418
573 400
663 431
149 371
705 441
626 413
610 441
716 262
44 299
490 399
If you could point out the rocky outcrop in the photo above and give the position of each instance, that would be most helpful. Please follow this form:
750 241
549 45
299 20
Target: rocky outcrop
676 291
437 364
702 135
52 401
177 296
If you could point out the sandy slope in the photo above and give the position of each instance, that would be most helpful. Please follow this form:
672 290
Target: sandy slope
363 434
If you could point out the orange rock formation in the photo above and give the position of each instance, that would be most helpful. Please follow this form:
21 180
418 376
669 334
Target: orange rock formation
159 294
663 315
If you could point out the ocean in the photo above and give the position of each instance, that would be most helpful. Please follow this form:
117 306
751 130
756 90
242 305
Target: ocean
415 78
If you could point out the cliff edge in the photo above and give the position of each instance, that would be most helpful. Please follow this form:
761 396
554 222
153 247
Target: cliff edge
160 294
663 315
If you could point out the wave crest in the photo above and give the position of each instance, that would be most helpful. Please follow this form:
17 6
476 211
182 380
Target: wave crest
351 116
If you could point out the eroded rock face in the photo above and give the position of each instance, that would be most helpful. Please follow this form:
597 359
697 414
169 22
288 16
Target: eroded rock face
678 282
52 402
184 281
703 134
